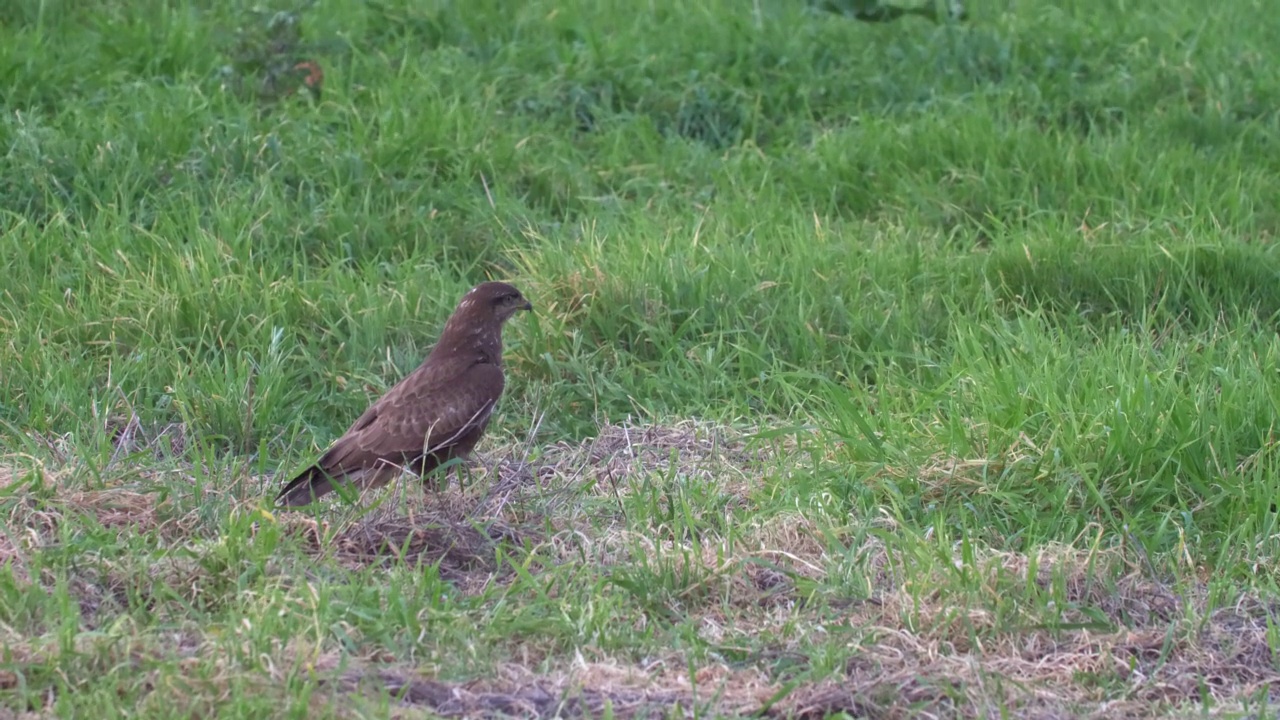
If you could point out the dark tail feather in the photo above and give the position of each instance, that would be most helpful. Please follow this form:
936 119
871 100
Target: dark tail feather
310 485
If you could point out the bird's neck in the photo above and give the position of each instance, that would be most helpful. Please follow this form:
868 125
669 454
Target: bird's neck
470 343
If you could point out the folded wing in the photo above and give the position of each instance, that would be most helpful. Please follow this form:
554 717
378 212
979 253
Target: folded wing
425 419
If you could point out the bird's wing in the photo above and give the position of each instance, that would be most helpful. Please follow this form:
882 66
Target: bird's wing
429 410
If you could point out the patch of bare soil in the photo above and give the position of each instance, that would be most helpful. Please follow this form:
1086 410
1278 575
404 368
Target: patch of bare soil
463 548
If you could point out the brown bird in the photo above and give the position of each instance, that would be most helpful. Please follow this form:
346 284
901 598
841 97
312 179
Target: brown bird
436 413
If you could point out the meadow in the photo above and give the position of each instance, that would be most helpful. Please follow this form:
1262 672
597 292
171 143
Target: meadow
877 369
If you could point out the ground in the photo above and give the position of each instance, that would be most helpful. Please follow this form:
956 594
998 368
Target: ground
919 368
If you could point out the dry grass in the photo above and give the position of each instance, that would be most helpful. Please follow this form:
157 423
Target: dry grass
904 673
915 643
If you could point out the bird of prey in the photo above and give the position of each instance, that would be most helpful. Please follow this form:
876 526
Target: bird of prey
436 413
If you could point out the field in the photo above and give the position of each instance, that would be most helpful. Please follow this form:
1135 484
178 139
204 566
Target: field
888 369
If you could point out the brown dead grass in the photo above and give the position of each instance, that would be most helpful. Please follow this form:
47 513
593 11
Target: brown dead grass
696 451
509 499
590 690
919 654
898 673
915 648
462 549
11 555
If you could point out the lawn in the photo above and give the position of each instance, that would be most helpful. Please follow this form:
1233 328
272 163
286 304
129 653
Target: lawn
890 369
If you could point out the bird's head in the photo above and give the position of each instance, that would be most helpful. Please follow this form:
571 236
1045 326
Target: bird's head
496 300
484 310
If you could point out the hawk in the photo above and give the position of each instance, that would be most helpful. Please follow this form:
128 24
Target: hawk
436 413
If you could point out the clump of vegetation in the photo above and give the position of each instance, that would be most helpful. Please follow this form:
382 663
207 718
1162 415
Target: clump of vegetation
267 59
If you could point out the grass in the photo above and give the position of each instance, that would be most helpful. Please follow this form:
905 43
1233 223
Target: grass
878 369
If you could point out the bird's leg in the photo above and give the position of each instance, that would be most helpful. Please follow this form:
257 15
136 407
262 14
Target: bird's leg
431 481
464 476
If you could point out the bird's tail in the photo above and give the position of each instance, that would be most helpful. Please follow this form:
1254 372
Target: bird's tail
310 485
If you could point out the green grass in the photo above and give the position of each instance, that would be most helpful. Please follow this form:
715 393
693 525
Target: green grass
982 317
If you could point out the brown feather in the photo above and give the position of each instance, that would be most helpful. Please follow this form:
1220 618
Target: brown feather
436 413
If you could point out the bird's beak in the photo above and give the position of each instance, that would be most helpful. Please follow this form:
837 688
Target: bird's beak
527 306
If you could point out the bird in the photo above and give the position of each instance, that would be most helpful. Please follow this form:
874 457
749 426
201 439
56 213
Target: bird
436 413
